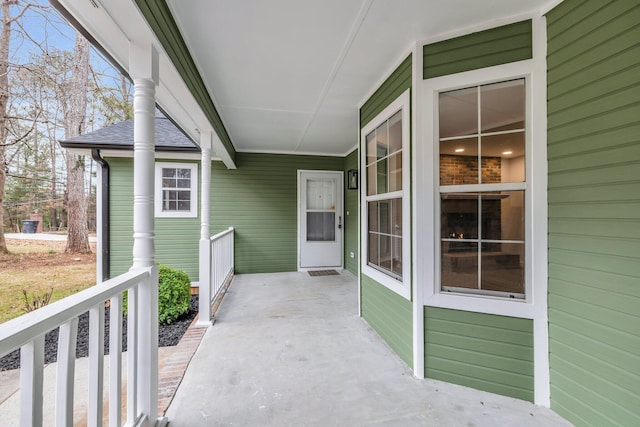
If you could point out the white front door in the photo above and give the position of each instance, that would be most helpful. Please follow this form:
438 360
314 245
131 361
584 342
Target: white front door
320 219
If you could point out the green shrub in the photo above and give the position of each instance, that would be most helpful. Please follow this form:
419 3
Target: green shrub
174 294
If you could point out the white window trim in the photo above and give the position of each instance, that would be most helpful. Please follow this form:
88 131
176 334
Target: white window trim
403 287
428 215
193 212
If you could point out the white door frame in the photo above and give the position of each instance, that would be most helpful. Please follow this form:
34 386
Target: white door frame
339 211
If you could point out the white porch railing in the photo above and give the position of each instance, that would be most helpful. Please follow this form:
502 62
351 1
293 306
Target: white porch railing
28 333
216 266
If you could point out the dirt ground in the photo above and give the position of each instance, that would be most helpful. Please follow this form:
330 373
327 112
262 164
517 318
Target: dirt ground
37 267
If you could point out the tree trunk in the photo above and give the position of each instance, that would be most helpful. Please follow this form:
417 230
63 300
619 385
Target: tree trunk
5 38
74 122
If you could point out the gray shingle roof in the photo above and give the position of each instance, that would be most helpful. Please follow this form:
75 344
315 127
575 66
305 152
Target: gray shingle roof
120 137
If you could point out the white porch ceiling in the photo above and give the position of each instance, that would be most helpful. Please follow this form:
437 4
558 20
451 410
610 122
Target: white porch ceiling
288 76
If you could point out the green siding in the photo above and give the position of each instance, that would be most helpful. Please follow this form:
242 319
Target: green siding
390 315
351 205
389 91
496 46
483 351
594 211
259 199
176 239
159 17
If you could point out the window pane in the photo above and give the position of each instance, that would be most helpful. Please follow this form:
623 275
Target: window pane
184 173
385 252
459 161
458 112
321 194
184 183
184 205
503 215
168 183
372 182
381 177
396 217
459 267
503 158
385 216
503 268
459 216
395 172
396 251
374 257
371 147
321 226
382 141
373 217
168 172
502 106
395 132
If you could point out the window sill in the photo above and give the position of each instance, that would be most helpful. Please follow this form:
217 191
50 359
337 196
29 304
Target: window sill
399 287
481 304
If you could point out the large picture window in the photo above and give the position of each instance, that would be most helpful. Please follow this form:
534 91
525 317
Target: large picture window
385 163
176 190
482 148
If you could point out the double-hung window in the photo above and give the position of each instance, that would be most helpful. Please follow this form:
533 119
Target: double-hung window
385 197
482 133
176 190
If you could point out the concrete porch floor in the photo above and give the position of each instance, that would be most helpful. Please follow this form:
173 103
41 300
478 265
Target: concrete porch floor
288 349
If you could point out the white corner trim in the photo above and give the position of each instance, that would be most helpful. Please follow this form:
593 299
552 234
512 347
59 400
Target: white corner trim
541 364
418 291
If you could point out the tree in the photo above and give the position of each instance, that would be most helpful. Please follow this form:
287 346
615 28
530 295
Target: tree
75 109
5 41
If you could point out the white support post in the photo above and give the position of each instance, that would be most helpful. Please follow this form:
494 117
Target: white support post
143 61
204 301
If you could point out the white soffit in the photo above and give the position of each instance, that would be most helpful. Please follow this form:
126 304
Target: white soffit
288 75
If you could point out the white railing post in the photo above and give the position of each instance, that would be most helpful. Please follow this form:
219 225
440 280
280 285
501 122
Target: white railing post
31 380
204 298
67 337
143 61
96 365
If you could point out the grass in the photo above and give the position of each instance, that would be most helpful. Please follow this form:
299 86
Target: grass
37 267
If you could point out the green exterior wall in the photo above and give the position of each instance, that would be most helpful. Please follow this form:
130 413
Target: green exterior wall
176 239
387 312
483 351
496 46
351 205
594 211
389 91
486 352
259 199
390 315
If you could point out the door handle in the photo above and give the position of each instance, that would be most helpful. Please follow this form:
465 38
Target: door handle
339 222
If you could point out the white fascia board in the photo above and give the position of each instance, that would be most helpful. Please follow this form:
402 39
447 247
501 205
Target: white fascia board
117 23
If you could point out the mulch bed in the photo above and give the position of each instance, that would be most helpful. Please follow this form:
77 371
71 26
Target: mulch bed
168 335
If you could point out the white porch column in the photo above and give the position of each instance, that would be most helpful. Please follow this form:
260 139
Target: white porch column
143 60
204 301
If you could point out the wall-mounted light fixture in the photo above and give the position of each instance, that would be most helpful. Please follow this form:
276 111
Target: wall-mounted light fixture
352 179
